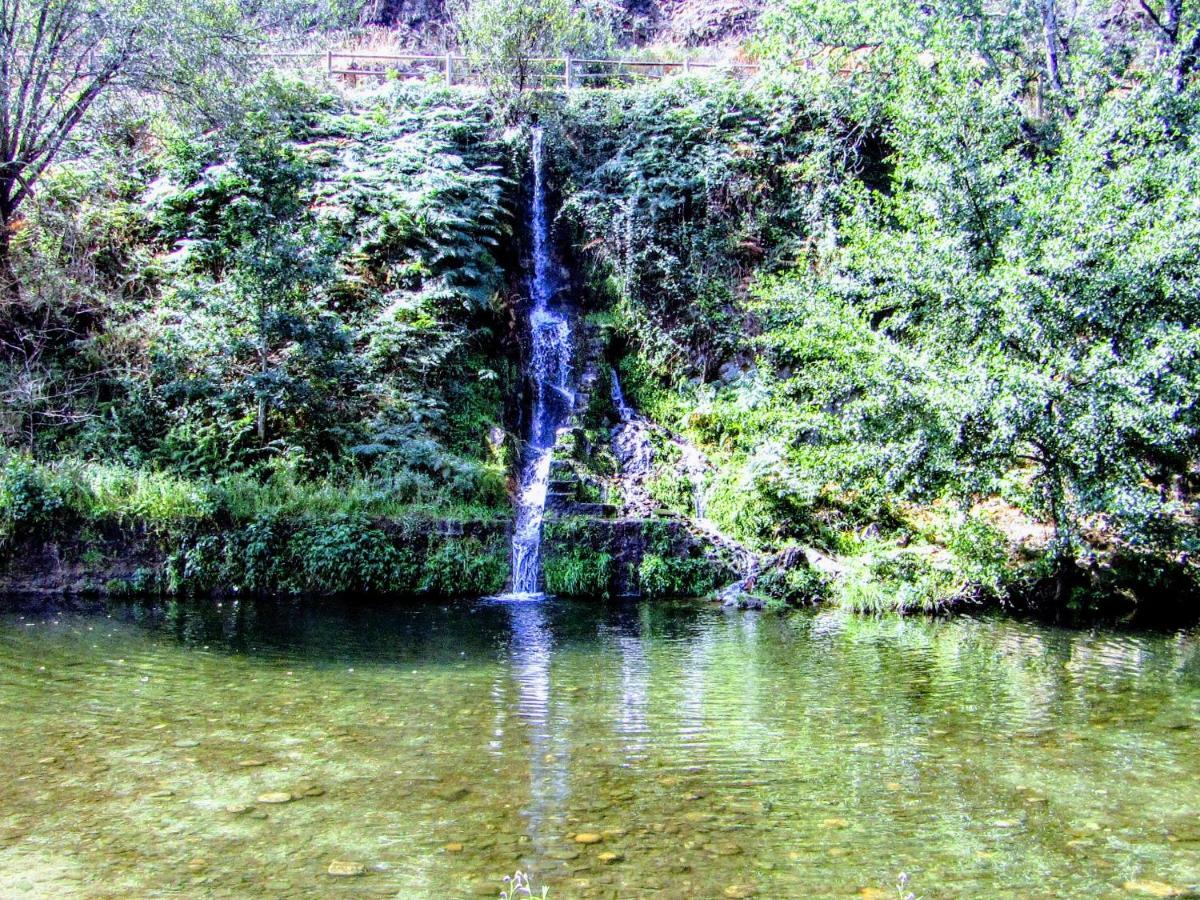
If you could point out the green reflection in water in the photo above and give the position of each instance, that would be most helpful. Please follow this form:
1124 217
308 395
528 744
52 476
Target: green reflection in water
815 755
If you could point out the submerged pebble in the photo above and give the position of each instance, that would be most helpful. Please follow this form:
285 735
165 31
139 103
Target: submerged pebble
342 868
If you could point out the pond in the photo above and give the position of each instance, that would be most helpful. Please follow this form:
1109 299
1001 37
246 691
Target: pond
245 749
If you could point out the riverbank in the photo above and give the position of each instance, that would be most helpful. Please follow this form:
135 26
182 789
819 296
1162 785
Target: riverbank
87 530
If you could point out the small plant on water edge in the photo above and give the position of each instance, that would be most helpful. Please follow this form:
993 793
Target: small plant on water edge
518 885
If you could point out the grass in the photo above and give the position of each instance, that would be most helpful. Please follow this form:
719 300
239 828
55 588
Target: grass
37 494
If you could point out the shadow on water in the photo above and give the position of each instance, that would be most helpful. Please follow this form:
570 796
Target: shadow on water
383 630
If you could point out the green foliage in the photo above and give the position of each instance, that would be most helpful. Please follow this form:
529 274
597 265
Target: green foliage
962 287
506 40
304 289
677 189
347 554
981 553
578 571
675 576
904 581
31 501
797 586
465 567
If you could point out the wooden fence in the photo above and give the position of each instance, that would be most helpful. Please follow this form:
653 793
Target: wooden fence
543 73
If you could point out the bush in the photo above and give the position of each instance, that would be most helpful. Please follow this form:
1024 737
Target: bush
897 581
32 499
349 554
465 567
674 576
798 586
581 572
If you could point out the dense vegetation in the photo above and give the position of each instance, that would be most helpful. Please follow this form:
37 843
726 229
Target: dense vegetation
925 292
926 304
288 321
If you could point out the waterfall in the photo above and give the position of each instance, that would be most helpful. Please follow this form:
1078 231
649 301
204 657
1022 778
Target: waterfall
624 410
550 375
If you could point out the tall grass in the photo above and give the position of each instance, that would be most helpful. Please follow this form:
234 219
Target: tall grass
46 494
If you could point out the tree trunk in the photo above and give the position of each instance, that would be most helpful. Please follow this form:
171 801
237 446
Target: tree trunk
1050 32
262 373
1187 62
9 285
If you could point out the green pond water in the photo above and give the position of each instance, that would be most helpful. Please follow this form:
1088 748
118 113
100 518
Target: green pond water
714 754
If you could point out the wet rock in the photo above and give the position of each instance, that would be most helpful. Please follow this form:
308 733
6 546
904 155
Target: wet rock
275 797
737 891
834 823
250 763
453 847
238 809
610 856
452 795
588 837
342 868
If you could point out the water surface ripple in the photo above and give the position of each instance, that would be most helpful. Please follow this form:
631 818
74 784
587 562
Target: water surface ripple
714 754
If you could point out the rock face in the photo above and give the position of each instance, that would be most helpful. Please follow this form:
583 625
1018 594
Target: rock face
692 23
116 558
418 16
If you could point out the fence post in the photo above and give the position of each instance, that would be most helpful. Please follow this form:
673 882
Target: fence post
449 70
687 65
329 63
567 73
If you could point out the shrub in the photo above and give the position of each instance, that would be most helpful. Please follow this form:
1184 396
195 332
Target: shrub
898 581
798 586
580 572
464 567
674 576
349 553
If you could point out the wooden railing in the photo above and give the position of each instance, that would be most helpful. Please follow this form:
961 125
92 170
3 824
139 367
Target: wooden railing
553 73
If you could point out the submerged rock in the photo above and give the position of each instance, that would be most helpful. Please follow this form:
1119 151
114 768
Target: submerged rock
1153 888
341 868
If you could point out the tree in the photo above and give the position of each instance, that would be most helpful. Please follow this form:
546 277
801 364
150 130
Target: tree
1182 52
996 326
252 338
58 58
505 39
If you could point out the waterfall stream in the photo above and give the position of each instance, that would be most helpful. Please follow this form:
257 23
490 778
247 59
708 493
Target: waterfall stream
550 375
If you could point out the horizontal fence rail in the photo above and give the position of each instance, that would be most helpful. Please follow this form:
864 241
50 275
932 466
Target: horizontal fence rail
550 72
